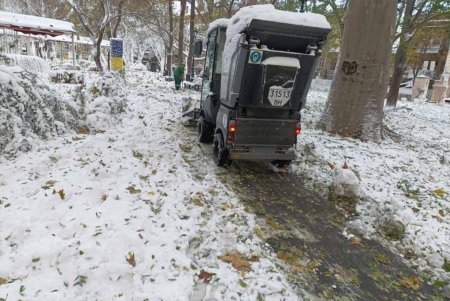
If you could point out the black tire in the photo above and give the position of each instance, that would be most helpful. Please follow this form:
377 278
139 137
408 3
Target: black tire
281 163
204 130
220 151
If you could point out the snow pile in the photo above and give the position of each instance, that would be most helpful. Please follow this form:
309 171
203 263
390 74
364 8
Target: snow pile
407 182
138 67
26 62
241 20
344 182
100 100
29 110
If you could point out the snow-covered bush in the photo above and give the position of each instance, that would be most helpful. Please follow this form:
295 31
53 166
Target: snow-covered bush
29 109
100 98
67 77
26 62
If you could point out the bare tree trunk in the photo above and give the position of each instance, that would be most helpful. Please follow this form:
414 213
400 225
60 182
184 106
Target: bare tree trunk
181 34
191 40
443 52
401 56
169 54
355 104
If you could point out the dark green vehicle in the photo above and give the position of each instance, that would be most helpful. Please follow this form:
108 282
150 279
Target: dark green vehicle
256 77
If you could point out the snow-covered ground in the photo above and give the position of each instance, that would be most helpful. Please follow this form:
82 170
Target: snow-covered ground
406 181
119 215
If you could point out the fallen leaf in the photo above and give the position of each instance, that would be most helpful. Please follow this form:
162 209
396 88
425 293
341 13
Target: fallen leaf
356 241
438 218
104 197
254 258
242 283
131 259
3 280
237 260
439 192
415 210
272 223
205 276
137 154
345 166
441 212
83 130
331 165
133 190
48 184
382 258
411 282
62 194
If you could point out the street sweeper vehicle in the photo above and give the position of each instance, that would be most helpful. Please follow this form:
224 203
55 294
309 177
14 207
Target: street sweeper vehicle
258 68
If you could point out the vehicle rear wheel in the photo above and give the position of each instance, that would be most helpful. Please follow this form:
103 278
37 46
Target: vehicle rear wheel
204 130
281 163
220 151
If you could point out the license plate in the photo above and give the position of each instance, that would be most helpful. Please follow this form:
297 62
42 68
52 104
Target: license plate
278 97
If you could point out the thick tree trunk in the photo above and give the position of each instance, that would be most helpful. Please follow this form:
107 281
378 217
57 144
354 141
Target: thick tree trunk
169 51
191 40
181 34
355 104
401 57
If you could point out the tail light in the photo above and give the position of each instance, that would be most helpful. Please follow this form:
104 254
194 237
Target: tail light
298 129
231 131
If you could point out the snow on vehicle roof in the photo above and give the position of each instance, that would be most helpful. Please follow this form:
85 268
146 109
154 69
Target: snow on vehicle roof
268 12
11 20
282 61
222 22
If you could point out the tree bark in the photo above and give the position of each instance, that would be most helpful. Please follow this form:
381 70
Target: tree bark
443 52
355 104
181 33
400 63
169 51
191 40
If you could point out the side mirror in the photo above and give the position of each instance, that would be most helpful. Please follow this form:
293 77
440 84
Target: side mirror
198 48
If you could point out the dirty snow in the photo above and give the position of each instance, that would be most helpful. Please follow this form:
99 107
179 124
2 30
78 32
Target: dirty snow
122 215
408 181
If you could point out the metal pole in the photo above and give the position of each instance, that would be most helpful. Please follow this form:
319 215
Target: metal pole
73 49
193 56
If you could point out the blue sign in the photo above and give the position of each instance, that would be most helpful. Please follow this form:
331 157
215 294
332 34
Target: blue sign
116 47
255 56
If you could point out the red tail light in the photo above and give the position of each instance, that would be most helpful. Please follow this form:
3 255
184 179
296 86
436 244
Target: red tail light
298 128
231 131
232 126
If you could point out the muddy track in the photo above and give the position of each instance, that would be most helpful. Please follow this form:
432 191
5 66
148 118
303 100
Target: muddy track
305 231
